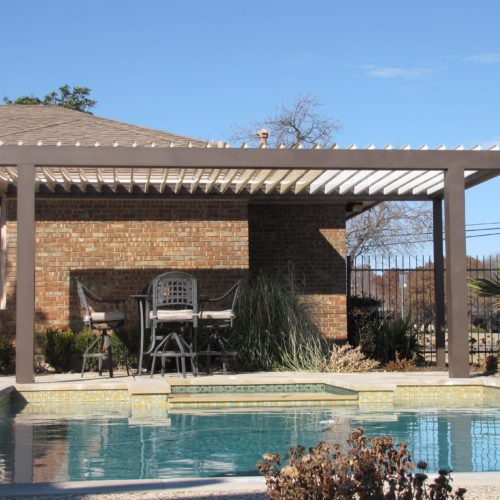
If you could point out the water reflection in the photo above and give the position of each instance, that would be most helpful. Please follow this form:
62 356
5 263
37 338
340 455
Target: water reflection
117 443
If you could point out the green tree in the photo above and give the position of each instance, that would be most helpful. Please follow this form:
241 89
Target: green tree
77 98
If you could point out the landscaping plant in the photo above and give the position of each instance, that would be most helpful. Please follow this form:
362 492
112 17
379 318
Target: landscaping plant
347 359
487 287
369 468
7 356
274 329
63 349
385 339
401 364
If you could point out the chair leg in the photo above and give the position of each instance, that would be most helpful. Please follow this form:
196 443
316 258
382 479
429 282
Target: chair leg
83 364
158 349
209 363
153 363
126 364
194 366
110 361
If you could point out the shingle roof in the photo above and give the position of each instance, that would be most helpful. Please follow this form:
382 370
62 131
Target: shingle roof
53 125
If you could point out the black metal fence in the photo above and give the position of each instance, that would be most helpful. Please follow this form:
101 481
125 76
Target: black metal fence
403 286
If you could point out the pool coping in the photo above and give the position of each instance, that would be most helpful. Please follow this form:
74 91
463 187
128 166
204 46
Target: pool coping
397 389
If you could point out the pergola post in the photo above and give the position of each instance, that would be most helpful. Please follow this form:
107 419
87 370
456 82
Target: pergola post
456 273
439 326
25 292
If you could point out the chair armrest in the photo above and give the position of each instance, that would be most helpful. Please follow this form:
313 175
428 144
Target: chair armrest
228 292
114 300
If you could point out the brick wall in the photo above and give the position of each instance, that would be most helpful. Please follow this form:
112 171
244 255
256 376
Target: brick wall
116 247
312 238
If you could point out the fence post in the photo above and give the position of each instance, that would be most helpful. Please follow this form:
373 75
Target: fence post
348 262
439 326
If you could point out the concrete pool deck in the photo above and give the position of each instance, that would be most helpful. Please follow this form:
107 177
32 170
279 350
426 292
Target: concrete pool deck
479 485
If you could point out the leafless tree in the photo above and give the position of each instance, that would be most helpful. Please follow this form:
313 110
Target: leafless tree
300 122
389 227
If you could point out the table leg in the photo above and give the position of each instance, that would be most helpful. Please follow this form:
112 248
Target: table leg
141 350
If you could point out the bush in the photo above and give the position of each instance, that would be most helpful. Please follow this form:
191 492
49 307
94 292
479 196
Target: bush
369 468
360 311
59 349
490 364
385 339
7 357
347 359
401 364
274 329
63 350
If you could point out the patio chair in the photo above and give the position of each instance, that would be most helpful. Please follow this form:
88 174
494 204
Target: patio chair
172 305
217 317
103 320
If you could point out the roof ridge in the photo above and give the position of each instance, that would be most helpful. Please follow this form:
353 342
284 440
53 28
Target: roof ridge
99 120
39 127
143 130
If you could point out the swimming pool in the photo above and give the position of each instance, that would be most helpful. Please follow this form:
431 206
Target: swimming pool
96 442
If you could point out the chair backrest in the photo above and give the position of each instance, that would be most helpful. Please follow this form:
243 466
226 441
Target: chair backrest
83 292
175 290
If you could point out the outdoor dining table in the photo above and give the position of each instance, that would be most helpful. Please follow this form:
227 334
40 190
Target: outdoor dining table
182 291
141 300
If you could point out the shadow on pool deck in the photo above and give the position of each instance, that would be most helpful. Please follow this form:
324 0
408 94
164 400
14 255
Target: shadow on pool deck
237 488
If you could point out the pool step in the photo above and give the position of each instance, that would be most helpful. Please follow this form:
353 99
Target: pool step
255 398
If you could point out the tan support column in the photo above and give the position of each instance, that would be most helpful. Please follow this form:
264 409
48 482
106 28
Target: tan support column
456 273
25 291
439 324
3 253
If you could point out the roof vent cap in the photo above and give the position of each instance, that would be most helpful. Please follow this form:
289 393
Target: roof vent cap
263 135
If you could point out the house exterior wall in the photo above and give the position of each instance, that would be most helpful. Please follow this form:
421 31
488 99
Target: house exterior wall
311 237
116 248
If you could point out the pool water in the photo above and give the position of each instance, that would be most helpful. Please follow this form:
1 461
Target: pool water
108 444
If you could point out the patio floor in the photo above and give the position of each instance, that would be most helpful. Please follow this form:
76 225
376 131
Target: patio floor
354 381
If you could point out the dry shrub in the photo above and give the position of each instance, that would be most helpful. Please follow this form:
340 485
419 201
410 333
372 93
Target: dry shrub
489 364
347 359
401 364
369 468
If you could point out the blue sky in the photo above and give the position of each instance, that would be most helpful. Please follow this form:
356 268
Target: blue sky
391 71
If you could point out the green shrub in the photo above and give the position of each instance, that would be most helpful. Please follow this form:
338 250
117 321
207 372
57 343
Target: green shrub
59 348
369 468
7 356
386 340
274 329
128 339
64 349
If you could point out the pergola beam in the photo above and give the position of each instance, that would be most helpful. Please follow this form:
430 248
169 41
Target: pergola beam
349 159
338 166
